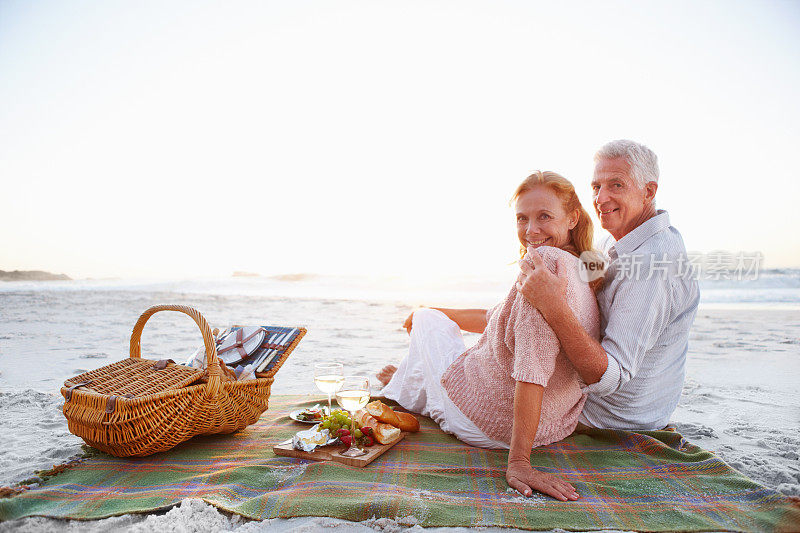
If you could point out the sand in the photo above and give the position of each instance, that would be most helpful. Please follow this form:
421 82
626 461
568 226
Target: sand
740 398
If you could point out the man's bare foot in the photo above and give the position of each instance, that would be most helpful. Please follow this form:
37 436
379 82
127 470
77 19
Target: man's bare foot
386 373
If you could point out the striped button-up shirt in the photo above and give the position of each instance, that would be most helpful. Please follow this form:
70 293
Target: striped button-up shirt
647 305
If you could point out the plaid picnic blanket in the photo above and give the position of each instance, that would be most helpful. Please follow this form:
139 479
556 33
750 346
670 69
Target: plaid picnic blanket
649 481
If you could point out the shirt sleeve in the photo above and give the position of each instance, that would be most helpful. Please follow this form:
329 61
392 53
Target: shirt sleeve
638 313
532 341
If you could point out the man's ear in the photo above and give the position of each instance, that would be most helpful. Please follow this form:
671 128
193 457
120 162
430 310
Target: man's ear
650 189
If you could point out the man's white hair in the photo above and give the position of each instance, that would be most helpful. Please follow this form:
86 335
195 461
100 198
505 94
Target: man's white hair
643 162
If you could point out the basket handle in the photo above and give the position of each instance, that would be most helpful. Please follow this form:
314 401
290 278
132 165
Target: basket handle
214 385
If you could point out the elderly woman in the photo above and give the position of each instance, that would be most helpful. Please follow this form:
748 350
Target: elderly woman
514 389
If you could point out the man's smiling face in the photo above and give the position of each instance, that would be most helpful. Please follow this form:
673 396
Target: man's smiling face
618 200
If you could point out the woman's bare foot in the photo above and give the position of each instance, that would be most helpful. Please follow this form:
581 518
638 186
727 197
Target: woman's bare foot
386 373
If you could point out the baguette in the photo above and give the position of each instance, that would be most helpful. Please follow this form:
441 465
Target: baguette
408 422
383 413
384 433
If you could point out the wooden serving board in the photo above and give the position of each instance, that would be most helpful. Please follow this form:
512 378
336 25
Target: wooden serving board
331 453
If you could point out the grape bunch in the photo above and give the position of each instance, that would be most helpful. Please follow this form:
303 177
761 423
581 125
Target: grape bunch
338 423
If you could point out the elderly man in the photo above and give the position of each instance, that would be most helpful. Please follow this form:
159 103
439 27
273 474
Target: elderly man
634 375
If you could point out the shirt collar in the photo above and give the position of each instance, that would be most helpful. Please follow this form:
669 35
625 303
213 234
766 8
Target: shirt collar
641 233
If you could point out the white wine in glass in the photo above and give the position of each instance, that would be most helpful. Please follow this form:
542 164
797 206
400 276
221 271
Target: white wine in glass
352 397
328 378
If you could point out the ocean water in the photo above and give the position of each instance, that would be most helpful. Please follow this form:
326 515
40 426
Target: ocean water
771 288
51 330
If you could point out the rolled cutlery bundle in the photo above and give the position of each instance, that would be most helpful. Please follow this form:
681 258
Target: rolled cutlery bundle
252 351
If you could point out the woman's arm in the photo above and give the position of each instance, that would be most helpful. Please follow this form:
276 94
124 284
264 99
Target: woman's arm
473 320
520 474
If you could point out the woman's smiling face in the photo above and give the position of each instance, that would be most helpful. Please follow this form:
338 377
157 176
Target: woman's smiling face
542 220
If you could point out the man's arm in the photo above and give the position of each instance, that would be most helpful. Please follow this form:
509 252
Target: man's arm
583 351
641 311
546 292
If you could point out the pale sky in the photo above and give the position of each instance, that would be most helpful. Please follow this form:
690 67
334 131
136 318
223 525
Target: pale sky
190 138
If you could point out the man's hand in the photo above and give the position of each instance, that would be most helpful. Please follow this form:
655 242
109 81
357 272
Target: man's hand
544 290
523 478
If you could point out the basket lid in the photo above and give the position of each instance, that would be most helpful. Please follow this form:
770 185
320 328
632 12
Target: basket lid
135 377
240 344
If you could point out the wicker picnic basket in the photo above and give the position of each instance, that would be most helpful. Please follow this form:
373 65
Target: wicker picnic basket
138 407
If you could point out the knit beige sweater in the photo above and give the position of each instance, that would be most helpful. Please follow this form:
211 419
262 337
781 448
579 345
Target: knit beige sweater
518 345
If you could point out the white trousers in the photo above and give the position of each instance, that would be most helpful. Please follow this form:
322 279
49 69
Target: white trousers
436 342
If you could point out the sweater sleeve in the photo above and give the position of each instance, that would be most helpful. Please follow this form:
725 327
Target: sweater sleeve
491 310
529 337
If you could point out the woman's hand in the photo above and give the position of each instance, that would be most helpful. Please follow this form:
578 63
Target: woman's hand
519 473
408 322
522 477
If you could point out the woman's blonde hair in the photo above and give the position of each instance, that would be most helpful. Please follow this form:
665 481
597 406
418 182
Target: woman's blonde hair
582 234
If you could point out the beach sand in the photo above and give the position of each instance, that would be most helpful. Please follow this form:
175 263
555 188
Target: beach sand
740 398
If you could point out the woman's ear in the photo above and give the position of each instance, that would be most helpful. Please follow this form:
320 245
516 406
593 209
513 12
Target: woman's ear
573 219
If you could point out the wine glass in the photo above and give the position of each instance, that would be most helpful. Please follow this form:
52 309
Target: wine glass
353 396
328 378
